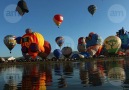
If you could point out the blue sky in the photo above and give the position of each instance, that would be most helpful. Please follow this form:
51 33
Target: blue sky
110 16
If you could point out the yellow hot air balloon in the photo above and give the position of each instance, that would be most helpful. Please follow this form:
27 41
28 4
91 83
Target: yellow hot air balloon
112 44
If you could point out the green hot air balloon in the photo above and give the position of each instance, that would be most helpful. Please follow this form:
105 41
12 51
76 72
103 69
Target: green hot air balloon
112 44
92 9
10 41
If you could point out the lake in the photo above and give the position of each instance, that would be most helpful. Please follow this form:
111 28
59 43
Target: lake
98 74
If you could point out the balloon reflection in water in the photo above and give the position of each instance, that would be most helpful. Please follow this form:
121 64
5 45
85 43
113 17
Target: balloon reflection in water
36 77
116 76
89 74
58 69
68 69
62 82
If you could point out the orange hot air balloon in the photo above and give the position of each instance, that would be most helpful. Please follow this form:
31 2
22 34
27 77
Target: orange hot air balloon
58 19
32 43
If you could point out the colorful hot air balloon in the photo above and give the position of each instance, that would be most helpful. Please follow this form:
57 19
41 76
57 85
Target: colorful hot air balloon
22 7
92 9
32 44
57 53
58 19
67 51
81 44
94 44
124 36
59 40
112 44
10 41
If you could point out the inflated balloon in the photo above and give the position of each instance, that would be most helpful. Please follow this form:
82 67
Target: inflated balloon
81 40
94 44
93 39
60 41
58 19
57 53
81 47
124 36
92 9
10 41
22 7
67 51
112 44
47 47
32 43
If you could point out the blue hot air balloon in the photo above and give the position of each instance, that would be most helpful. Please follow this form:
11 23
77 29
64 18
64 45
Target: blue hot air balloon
57 53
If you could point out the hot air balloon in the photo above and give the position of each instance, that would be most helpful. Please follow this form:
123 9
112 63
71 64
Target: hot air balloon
10 41
47 47
92 9
124 36
67 51
57 53
32 43
112 44
58 19
22 7
59 40
94 44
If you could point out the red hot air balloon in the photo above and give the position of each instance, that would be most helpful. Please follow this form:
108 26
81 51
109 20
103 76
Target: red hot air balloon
58 19
47 47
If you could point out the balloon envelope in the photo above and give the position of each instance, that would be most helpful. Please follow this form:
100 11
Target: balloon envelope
112 44
22 7
47 47
67 51
58 19
92 9
10 41
32 43
57 53
59 40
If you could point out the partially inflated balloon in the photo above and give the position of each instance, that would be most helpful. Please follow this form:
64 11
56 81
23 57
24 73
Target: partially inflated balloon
67 51
22 7
57 53
10 41
59 40
124 36
32 43
92 9
47 51
112 44
58 19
